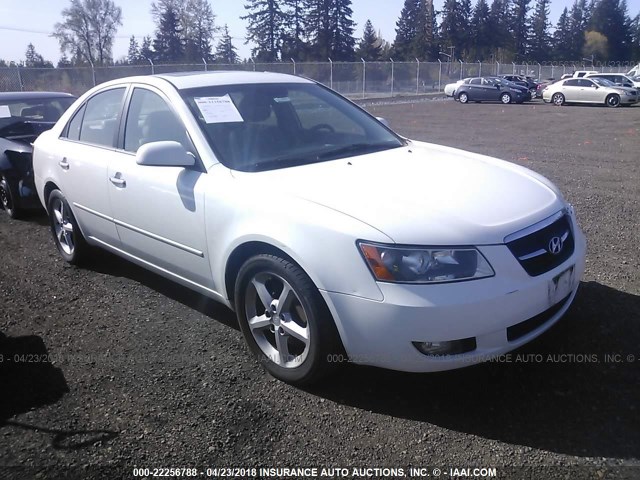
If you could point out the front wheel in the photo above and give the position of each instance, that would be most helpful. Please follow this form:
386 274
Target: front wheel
8 199
505 98
463 97
284 320
66 233
612 100
557 99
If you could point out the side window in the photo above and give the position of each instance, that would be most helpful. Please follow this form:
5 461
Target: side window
475 81
150 119
73 130
586 83
101 118
572 83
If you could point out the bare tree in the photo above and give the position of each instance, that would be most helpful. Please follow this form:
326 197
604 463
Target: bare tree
88 30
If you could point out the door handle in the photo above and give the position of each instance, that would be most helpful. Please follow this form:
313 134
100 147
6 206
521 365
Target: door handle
117 181
64 163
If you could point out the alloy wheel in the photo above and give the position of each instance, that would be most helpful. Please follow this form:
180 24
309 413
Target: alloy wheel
63 226
277 320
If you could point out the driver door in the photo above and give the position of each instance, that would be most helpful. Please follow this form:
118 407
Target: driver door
159 210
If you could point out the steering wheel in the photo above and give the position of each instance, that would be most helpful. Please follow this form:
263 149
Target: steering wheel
322 126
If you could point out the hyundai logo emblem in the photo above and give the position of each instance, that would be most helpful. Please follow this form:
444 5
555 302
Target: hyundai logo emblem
555 245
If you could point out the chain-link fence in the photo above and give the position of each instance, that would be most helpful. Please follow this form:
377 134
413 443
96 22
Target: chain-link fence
356 79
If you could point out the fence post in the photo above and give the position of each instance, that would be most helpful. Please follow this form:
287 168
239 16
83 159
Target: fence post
19 78
539 70
418 77
439 75
93 72
392 74
254 64
294 66
497 68
153 68
514 68
364 77
205 64
479 68
461 67
330 74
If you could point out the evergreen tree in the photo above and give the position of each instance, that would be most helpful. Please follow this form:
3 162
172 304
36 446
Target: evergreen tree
480 31
266 22
330 29
343 44
577 24
133 55
424 45
499 30
34 59
561 37
168 44
610 18
293 44
406 30
226 52
540 43
146 51
635 38
369 47
455 25
520 27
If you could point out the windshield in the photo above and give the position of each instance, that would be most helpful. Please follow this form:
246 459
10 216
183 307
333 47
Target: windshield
259 127
32 110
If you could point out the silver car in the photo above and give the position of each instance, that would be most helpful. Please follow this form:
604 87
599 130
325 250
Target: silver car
589 90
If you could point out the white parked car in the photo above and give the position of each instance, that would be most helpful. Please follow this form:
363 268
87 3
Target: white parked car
619 79
589 90
450 88
327 233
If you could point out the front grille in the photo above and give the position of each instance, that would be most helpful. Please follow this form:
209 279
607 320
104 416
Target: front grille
519 330
533 247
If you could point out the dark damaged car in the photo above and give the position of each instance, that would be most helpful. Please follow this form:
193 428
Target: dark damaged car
23 117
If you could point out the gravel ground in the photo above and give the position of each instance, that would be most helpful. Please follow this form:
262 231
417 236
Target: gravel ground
108 367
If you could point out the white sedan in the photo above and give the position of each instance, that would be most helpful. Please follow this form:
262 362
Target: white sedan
332 237
450 88
589 90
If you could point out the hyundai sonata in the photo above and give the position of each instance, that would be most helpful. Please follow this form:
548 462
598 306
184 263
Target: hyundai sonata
332 237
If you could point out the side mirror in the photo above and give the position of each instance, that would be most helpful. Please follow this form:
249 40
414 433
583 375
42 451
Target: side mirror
383 121
164 154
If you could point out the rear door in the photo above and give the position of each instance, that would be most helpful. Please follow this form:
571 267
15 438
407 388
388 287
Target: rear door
88 146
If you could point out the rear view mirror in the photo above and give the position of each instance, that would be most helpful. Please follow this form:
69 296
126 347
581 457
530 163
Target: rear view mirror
164 154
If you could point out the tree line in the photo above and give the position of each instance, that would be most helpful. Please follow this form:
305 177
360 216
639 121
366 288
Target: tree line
318 30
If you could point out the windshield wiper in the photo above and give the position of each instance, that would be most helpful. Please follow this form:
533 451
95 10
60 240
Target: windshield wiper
356 148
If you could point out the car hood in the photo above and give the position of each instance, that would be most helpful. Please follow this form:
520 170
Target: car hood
423 193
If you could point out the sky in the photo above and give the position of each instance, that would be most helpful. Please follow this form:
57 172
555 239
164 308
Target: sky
31 21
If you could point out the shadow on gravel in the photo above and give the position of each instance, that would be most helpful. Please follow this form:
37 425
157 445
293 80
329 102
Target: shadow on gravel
108 264
68 439
566 392
27 378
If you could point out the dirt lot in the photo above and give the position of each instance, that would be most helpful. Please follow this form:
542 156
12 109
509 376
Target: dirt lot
148 374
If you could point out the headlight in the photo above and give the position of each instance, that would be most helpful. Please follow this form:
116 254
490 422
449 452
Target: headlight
629 94
425 265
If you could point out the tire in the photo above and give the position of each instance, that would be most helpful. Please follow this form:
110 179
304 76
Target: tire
612 100
64 227
505 98
463 97
557 99
8 195
285 321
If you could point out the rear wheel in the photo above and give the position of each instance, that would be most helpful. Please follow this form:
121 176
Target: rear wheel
66 234
612 100
285 321
8 197
557 99
463 97
505 98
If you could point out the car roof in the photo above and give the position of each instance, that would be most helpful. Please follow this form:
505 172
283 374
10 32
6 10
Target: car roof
182 80
13 96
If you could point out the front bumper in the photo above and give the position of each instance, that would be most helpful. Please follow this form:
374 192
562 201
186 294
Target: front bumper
381 333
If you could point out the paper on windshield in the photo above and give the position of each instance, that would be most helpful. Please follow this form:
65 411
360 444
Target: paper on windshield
4 111
218 109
